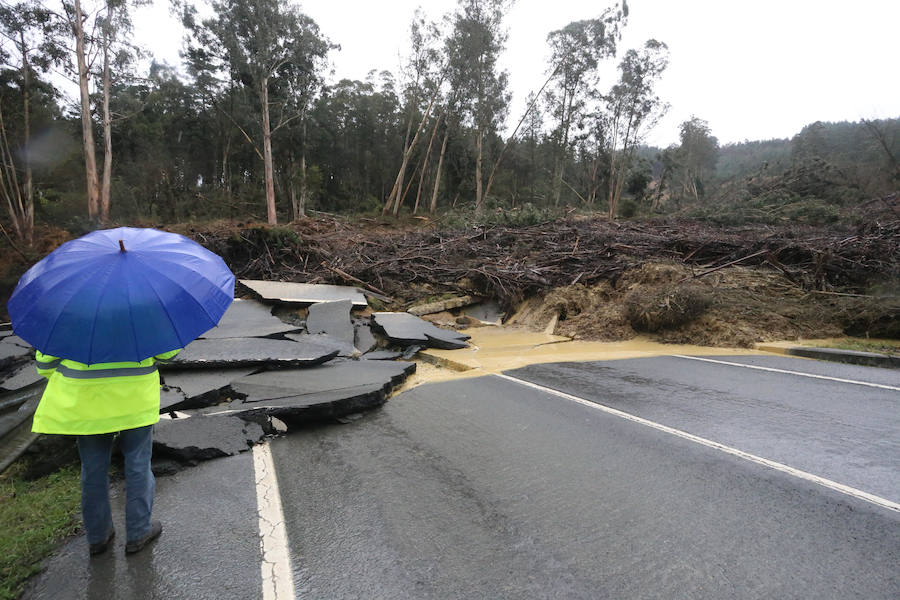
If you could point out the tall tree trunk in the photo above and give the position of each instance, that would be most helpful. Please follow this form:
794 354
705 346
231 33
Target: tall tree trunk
28 209
437 175
292 190
87 126
403 164
561 153
479 198
304 188
611 195
225 181
425 164
107 128
271 215
398 183
402 196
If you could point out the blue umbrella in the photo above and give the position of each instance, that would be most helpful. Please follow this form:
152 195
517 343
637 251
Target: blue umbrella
119 295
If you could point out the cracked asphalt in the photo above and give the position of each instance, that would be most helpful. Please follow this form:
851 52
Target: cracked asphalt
487 488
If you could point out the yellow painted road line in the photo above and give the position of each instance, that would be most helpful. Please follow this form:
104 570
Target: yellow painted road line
800 373
833 485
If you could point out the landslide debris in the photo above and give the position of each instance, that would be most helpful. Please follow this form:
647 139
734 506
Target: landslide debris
680 280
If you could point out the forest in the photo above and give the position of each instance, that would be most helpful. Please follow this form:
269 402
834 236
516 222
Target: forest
249 128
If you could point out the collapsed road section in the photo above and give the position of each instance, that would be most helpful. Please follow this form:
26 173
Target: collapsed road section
325 357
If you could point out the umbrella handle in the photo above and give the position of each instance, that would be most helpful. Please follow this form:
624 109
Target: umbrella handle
121 245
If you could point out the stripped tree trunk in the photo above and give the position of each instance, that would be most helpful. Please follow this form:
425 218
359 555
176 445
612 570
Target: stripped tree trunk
28 187
403 163
271 215
292 190
437 174
304 188
396 191
107 129
425 164
479 198
87 126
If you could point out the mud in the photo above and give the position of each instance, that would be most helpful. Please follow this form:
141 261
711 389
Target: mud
493 350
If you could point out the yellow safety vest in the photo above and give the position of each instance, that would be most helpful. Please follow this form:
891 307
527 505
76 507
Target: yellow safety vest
85 399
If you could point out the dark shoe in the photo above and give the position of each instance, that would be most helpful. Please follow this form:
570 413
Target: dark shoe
138 545
100 547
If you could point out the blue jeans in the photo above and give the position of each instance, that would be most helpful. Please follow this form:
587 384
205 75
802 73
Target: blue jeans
95 451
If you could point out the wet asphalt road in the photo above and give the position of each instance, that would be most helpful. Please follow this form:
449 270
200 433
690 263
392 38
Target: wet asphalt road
488 489
484 488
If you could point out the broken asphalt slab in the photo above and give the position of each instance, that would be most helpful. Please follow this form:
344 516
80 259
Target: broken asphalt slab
20 377
202 387
14 349
406 330
326 341
248 318
383 355
304 293
204 437
332 318
331 390
245 352
170 398
363 339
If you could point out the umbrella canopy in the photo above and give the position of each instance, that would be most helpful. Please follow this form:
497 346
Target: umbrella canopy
119 295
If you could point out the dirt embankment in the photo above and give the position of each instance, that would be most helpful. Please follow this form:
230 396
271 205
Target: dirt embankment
737 306
681 281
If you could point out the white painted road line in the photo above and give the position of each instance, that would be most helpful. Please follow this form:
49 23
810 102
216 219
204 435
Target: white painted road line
839 487
800 373
277 580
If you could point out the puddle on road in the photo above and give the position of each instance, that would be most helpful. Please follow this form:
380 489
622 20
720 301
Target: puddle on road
497 349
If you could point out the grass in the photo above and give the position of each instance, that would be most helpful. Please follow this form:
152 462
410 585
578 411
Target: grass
34 517
889 347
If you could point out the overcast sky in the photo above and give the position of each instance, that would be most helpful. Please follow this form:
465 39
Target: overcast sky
754 69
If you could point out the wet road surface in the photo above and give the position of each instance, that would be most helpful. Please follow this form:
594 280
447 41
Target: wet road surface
485 488
488 488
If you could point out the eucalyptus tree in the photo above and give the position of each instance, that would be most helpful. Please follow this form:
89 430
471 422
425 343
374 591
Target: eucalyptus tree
29 47
118 55
475 42
577 51
273 50
633 109
423 75
696 156
101 30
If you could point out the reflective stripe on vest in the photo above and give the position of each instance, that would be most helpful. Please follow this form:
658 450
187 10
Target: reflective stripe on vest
50 364
102 373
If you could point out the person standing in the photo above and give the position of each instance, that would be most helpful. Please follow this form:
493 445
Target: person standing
96 403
